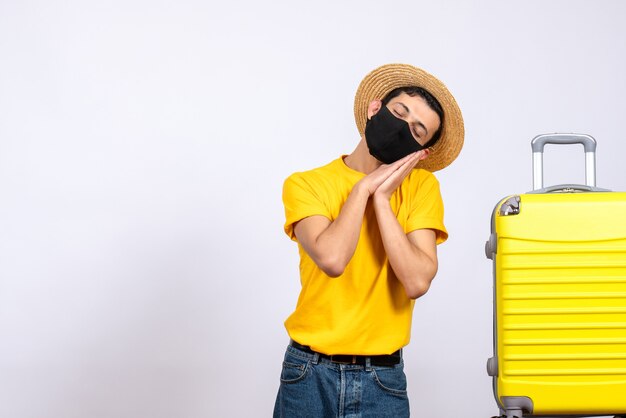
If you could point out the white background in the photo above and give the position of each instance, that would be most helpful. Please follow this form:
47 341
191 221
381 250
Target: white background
143 146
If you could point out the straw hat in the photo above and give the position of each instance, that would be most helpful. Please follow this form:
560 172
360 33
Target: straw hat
381 81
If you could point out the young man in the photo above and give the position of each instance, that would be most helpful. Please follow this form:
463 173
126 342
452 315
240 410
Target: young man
367 226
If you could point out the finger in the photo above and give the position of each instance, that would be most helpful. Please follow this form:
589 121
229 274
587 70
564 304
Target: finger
412 160
402 171
387 170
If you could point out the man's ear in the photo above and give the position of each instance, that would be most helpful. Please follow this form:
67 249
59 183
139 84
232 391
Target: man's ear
373 108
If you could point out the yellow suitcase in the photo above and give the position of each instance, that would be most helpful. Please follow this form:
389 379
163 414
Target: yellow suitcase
559 257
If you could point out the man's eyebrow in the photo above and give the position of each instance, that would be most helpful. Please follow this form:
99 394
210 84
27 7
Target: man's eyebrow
406 109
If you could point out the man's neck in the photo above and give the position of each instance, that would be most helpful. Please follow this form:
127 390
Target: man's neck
361 160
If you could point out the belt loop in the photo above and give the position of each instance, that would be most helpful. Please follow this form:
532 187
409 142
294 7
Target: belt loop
368 363
316 358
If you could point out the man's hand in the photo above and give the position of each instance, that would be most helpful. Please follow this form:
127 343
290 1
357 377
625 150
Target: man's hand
395 177
376 178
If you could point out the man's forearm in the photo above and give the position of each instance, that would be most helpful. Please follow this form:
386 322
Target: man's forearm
413 267
334 247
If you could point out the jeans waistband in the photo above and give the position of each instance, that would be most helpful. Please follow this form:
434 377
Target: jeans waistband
386 360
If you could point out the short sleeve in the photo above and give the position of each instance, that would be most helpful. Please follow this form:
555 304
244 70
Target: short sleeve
427 208
301 200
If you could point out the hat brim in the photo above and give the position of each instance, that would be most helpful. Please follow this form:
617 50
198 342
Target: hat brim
381 81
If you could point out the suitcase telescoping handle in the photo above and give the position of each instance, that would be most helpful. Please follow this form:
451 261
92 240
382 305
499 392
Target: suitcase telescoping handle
587 141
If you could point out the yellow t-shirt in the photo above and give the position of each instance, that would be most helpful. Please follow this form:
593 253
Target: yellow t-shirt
365 311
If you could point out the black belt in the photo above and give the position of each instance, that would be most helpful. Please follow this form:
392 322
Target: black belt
381 360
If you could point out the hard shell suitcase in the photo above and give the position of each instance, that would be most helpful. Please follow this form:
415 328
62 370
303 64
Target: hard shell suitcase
559 257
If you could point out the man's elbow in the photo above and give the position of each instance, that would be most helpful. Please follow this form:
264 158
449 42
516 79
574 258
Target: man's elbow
419 285
333 270
417 289
332 266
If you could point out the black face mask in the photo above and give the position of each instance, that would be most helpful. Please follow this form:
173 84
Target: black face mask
389 138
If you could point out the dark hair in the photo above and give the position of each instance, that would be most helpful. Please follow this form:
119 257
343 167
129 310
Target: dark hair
430 100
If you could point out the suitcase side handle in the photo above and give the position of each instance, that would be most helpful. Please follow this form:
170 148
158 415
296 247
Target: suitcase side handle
539 142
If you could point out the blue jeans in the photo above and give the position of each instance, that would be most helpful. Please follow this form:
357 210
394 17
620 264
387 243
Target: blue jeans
314 387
